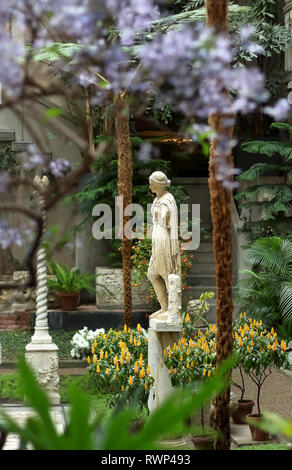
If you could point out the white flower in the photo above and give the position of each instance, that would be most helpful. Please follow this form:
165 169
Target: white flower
82 341
144 332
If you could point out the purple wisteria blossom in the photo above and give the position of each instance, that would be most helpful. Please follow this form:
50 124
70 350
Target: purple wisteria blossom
279 111
75 18
246 32
245 36
224 171
248 86
5 179
70 18
196 67
132 16
32 159
59 167
148 152
190 67
11 73
9 236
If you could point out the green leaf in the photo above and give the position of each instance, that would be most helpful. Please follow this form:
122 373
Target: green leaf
283 126
257 170
52 113
276 425
286 302
268 148
40 429
78 433
56 51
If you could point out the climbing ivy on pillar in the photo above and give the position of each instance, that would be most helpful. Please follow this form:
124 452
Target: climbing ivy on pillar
221 204
125 175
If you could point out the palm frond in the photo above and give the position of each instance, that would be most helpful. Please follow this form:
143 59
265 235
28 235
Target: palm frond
286 303
268 253
283 126
268 148
266 292
258 169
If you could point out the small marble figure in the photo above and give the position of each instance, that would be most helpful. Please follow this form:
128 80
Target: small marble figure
164 271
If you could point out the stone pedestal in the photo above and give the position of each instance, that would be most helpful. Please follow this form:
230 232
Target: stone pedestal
160 335
288 24
41 352
21 413
43 359
290 354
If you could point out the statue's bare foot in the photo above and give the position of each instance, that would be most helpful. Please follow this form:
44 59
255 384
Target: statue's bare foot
155 314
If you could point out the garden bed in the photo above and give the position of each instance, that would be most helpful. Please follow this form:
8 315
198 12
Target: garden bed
14 342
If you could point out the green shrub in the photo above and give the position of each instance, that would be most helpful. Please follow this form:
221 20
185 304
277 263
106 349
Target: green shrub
11 386
118 364
266 291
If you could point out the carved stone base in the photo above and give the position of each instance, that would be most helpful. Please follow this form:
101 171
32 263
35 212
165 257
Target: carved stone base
43 358
160 335
20 414
42 336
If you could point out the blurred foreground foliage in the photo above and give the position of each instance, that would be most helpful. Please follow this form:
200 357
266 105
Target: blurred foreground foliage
115 432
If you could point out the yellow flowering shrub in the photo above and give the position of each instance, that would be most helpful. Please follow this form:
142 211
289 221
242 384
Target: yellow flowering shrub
193 358
257 350
118 364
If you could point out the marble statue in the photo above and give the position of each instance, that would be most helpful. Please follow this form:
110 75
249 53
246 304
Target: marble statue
164 271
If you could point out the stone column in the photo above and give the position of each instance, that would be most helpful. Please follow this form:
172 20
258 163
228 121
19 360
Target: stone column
288 25
160 335
41 352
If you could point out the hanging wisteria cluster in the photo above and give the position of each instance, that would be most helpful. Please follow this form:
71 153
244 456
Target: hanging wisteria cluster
189 67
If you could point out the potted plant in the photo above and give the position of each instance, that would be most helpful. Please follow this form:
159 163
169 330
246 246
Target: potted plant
244 405
205 439
259 350
68 283
199 308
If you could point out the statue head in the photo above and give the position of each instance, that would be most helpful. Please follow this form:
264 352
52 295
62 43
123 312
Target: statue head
158 181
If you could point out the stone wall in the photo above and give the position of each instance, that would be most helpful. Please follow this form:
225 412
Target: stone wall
288 56
16 321
288 24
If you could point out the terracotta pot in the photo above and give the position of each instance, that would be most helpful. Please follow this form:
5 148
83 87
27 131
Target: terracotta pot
69 300
256 433
243 409
203 442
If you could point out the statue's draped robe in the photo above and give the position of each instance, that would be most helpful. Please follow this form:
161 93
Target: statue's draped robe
165 257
